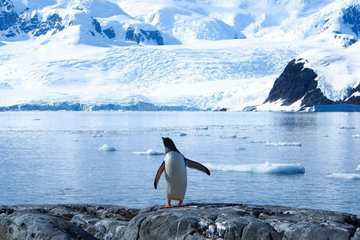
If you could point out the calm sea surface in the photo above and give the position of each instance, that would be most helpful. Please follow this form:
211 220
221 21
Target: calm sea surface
53 157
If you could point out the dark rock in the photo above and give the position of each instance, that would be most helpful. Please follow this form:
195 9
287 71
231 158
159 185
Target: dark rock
351 18
297 82
25 224
96 25
354 99
52 22
109 32
143 35
8 16
28 26
194 221
293 83
315 97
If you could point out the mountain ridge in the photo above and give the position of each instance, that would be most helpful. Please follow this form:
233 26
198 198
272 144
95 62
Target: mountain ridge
192 55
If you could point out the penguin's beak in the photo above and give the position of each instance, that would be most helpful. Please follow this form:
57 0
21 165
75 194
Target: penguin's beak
163 138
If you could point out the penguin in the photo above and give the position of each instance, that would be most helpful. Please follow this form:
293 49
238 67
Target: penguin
174 166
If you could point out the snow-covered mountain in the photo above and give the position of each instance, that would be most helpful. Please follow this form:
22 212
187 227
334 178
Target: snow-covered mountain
175 54
320 76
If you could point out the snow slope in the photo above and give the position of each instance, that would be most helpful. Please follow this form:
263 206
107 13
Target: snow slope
104 54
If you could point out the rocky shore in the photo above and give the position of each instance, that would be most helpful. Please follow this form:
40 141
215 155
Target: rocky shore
193 221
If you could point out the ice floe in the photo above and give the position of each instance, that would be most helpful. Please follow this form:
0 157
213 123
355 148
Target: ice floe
245 137
149 152
106 148
347 127
356 135
269 168
346 176
97 135
229 136
358 168
240 148
258 141
279 144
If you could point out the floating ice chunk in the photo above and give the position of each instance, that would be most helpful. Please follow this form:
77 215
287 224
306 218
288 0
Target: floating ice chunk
356 135
36 119
346 176
182 134
149 152
269 168
243 137
258 141
201 128
279 144
229 136
347 127
106 148
358 168
240 148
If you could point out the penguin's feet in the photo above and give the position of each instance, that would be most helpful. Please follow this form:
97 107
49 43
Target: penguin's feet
179 204
168 205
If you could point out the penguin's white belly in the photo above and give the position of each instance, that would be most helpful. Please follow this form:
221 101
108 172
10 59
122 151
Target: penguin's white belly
175 176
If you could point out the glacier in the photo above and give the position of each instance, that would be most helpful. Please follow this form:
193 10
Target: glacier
171 55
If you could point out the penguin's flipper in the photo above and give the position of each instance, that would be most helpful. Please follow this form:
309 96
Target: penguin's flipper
196 165
158 174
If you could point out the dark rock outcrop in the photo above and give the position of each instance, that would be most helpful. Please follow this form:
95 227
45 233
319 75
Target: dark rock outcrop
8 16
351 18
298 83
142 36
195 221
293 84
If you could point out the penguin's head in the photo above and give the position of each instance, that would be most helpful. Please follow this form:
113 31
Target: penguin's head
169 145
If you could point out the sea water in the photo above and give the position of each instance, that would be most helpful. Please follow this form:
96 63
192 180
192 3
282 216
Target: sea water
292 159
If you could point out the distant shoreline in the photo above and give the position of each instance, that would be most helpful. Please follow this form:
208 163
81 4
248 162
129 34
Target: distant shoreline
150 107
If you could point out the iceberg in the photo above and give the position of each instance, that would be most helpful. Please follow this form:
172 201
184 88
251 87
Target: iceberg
277 144
149 152
106 148
346 176
269 168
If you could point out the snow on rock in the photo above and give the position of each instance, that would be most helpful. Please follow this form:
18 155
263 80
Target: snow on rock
332 63
149 152
346 176
321 76
269 168
356 135
106 148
